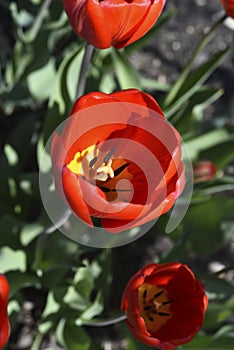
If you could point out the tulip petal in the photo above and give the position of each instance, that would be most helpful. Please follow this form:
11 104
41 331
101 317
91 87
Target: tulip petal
74 195
112 22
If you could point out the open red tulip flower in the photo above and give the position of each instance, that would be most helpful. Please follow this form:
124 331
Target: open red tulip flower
112 22
164 304
229 7
118 159
4 322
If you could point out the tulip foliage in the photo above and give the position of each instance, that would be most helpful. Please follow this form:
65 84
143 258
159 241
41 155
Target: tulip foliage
116 186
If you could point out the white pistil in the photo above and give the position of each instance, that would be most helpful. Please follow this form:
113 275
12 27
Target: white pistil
105 171
157 304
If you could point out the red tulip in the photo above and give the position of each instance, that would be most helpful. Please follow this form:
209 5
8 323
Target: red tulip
229 7
4 322
118 159
164 304
204 171
112 22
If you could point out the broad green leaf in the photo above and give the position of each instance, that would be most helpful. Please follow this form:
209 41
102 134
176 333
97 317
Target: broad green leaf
75 337
19 280
54 276
225 331
41 83
73 73
126 74
219 287
61 93
206 236
75 300
221 154
51 307
29 232
53 249
11 260
94 309
107 83
208 140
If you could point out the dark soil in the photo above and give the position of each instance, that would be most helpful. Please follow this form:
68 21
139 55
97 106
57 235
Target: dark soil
166 55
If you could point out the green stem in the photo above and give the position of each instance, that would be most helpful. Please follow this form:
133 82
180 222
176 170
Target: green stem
103 323
83 71
176 87
217 189
33 31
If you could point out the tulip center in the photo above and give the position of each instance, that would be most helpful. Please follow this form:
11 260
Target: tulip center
155 306
103 170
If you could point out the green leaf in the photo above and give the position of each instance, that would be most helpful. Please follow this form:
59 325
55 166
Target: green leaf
219 287
11 226
221 154
11 260
29 232
51 307
11 155
53 250
18 280
185 119
94 309
54 276
225 331
152 84
208 140
107 83
75 337
41 83
61 95
126 74
206 236
75 300
194 81
73 73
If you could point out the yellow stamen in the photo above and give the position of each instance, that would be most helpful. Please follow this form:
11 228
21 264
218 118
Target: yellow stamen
76 164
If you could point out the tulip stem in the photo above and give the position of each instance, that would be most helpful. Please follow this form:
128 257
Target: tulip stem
103 323
176 87
83 70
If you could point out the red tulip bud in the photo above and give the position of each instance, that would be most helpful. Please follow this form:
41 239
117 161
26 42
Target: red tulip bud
204 171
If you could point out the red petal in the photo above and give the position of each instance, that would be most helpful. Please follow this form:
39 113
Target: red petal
74 196
137 97
4 290
100 207
4 330
4 322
